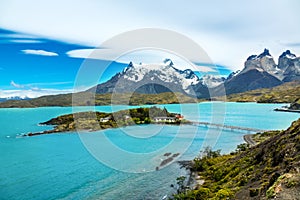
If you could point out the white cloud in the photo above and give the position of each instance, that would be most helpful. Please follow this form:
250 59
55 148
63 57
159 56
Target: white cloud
32 90
39 52
24 41
16 85
18 36
228 30
51 83
31 93
141 56
35 86
81 53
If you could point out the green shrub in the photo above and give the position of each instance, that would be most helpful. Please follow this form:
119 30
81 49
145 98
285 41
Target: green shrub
253 192
202 193
224 194
218 175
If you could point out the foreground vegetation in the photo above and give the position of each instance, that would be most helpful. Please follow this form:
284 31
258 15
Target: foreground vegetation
93 121
269 170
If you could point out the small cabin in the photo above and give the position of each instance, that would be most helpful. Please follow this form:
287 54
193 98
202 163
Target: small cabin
165 119
106 119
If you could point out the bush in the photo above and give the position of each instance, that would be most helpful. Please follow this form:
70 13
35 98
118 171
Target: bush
209 153
242 147
253 192
202 193
224 194
218 175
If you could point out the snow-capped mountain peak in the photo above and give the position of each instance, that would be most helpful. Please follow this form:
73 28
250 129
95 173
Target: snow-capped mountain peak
168 61
154 78
166 72
288 55
265 54
211 80
262 62
14 98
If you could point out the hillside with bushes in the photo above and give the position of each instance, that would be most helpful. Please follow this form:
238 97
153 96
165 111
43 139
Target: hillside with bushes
268 170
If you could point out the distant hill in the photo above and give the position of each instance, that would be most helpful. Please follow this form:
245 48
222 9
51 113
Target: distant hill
268 170
86 99
285 93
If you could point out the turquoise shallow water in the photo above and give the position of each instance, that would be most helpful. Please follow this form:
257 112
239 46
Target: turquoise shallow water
59 166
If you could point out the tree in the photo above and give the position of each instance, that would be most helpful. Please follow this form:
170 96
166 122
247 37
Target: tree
209 153
242 147
147 120
180 184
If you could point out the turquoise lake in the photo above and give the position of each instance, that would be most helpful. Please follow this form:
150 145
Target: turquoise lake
83 166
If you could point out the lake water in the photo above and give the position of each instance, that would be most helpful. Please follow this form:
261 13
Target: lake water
83 166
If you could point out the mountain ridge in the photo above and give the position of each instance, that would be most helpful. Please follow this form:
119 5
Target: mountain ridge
153 79
260 71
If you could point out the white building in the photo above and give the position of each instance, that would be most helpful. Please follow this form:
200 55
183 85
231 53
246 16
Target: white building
106 119
165 119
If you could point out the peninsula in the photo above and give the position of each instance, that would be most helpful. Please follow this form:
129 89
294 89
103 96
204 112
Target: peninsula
93 121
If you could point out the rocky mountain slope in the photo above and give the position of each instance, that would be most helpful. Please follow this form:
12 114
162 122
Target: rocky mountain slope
154 79
212 81
261 71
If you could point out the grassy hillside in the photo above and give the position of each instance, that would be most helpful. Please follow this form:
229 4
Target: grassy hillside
100 99
285 93
269 170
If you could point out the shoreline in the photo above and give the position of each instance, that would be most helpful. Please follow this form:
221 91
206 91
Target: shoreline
249 140
54 131
154 104
286 110
193 179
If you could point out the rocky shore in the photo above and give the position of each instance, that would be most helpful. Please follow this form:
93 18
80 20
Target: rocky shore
294 107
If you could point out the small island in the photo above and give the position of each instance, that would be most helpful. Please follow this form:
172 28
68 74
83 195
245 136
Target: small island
94 121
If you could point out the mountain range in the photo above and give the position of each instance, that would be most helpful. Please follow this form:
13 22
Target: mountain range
260 71
154 79
162 80
14 98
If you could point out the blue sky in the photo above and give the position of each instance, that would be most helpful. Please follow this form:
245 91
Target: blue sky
43 43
